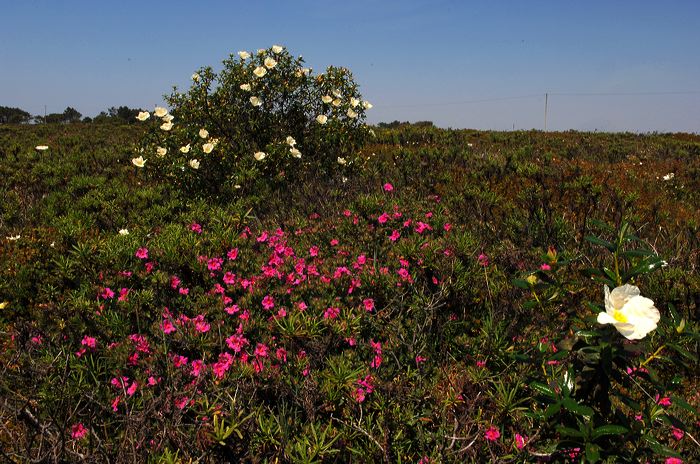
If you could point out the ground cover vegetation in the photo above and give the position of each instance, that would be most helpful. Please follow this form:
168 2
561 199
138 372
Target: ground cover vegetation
238 279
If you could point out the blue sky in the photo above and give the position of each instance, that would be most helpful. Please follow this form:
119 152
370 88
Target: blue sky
414 60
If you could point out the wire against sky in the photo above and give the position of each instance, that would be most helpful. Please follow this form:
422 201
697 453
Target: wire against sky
541 95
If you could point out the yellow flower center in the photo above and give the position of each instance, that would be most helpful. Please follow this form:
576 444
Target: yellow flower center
618 316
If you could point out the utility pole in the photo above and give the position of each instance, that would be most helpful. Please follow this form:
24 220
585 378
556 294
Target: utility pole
546 97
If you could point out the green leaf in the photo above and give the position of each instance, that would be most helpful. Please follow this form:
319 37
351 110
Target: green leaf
597 241
680 402
573 406
520 283
543 389
609 430
569 432
682 351
551 410
592 452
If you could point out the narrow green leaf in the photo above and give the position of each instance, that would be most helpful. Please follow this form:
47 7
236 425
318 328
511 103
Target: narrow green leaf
573 406
543 389
597 241
609 430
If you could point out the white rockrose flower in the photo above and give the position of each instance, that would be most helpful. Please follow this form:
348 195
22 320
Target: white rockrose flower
194 163
295 153
322 119
270 62
277 48
633 315
143 115
161 151
185 149
203 133
160 111
208 148
290 141
138 162
260 155
245 87
326 99
255 101
260 71
244 55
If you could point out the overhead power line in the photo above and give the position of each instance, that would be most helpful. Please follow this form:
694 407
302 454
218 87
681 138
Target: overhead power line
541 95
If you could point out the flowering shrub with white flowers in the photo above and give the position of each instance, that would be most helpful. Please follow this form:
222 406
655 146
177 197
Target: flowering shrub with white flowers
263 116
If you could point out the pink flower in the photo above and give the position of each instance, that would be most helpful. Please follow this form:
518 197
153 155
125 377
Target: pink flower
184 291
520 441
545 267
331 313
388 187
481 364
132 388
447 227
90 342
677 433
229 278
492 434
200 324
268 302
673 461
236 342
262 237
123 294
214 264
665 401
359 395
368 304
182 402
395 234
78 431
334 242
483 260
313 251
142 253
232 254
420 359
196 228
281 354
197 367
107 293
261 350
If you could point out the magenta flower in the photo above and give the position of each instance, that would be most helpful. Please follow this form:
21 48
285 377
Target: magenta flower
268 302
368 304
331 313
261 350
196 228
383 218
673 461
483 260
90 342
492 434
677 433
395 234
142 253
388 187
520 441
107 293
232 254
545 267
78 431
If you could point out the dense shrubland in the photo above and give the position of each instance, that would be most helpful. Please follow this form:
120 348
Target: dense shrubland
439 303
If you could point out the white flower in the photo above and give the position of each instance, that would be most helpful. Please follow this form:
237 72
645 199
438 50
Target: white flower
244 55
302 72
208 148
138 162
336 102
295 153
195 77
245 87
354 102
669 176
185 149
260 155
166 126
322 119
41 147
261 51
194 163
341 161
143 115
203 133
260 71
168 118
255 101
277 48
326 99
337 93
351 113
633 315
270 62
366 105
13 237
160 151
123 231
160 111
290 141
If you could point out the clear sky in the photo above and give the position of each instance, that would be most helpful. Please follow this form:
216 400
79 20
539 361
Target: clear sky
451 62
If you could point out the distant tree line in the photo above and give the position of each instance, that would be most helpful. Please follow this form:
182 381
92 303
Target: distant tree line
396 124
121 115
